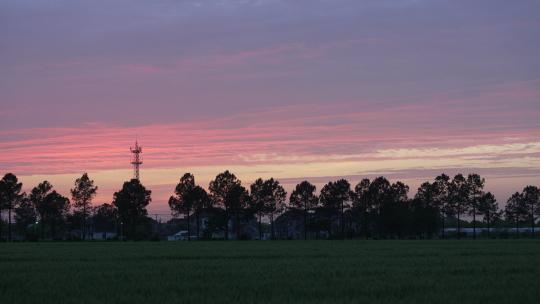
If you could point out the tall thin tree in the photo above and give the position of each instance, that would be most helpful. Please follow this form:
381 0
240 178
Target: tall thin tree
37 197
361 202
459 194
2 207
56 206
531 196
379 193
304 197
25 213
397 209
443 199
516 210
475 187
336 196
258 201
425 209
10 195
82 194
219 189
182 201
200 201
488 208
275 203
237 200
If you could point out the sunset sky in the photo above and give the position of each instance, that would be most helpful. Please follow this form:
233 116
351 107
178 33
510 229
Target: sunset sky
307 89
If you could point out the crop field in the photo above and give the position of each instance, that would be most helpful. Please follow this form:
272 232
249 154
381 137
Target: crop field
483 271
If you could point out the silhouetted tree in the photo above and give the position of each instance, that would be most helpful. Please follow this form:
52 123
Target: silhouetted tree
305 198
219 191
516 210
74 221
82 195
201 201
379 193
363 203
378 205
459 196
237 200
25 213
105 218
182 201
475 187
2 206
131 202
37 197
259 197
335 196
488 208
275 203
56 207
217 221
395 216
10 195
443 199
425 209
531 197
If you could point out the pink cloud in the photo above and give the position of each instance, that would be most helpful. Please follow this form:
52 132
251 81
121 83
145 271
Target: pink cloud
234 140
418 135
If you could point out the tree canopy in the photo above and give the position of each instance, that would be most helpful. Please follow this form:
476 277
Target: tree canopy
130 203
82 194
10 196
374 208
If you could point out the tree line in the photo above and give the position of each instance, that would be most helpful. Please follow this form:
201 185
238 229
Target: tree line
370 209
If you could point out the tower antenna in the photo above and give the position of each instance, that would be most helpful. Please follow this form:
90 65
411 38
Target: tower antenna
136 160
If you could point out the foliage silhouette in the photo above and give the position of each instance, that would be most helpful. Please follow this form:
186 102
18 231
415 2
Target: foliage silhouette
106 217
304 197
182 201
258 201
475 185
10 196
516 210
26 216
56 208
37 197
276 197
531 197
130 203
374 208
220 189
237 199
201 202
335 197
487 207
82 194
459 195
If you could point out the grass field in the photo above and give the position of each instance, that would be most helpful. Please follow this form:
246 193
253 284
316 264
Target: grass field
505 271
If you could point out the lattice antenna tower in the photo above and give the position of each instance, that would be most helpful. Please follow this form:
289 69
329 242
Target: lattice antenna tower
136 159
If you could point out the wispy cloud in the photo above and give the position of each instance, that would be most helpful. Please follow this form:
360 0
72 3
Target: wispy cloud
285 135
289 89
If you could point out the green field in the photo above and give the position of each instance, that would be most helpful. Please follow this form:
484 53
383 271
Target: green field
504 271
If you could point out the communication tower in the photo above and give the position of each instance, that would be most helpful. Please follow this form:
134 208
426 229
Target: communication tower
136 159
